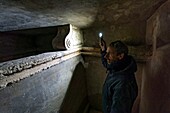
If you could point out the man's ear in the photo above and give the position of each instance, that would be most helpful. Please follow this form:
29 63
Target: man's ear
121 56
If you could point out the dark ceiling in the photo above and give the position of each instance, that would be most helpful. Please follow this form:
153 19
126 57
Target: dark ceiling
26 14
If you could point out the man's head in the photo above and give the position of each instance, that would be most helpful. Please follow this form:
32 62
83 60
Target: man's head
116 51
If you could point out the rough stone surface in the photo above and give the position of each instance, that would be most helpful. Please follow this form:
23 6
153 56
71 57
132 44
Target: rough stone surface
16 70
58 42
32 14
74 39
14 66
156 80
68 37
158 27
132 33
42 93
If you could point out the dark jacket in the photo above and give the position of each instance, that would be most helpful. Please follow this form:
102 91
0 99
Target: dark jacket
120 89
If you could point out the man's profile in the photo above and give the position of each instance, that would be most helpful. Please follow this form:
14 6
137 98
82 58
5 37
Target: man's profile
120 88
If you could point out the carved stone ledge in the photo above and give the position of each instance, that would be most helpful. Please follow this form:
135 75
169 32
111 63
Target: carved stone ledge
140 53
68 37
58 41
16 70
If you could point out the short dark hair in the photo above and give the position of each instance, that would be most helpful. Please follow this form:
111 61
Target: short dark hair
120 47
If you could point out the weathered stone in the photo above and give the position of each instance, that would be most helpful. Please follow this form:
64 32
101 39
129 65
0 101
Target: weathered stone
14 66
156 79
45 91
58 41
74 39
33 14
158 26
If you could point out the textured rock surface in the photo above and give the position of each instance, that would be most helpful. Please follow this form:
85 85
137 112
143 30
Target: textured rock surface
156 79
32 14
9 71
44 92
158 27
58 41
121 19
156 82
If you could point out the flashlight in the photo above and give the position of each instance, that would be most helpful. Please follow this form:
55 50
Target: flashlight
101 37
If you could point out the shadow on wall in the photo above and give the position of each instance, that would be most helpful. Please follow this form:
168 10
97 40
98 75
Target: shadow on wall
76 100
18 44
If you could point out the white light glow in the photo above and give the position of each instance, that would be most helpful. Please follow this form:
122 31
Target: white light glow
100 34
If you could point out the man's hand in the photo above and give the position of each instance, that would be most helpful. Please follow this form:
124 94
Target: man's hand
102 45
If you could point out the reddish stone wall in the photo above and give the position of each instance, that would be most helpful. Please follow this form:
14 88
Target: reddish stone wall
155 96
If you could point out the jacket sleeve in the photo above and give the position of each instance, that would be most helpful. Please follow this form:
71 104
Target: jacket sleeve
104 61
121 101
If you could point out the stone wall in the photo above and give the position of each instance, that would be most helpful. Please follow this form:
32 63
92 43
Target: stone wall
76 99
156 79
95 75
132 33
44 91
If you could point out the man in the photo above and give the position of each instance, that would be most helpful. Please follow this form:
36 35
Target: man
120 89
